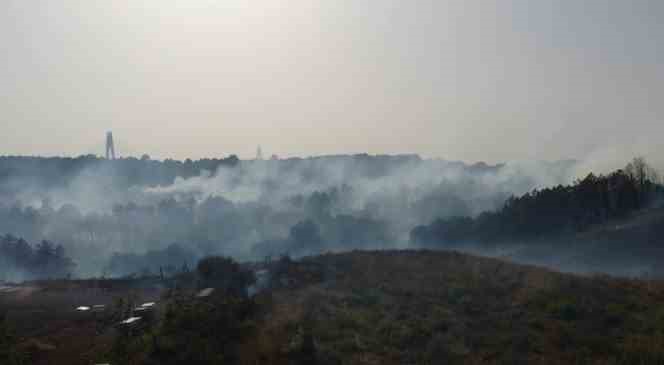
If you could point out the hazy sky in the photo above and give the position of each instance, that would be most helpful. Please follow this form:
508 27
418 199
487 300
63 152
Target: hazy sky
471 80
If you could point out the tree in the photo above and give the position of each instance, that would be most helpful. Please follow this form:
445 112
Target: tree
305 234
9 354
44 254
224 274
645 177
637 170
551 211
46 260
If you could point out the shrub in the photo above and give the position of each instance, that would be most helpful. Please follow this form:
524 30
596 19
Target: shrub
225 274
9 353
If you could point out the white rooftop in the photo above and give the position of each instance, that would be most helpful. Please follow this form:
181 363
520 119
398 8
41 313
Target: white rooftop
8 289
131 320
205 292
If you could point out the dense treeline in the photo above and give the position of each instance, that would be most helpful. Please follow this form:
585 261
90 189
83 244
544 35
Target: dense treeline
136 238
21 260
130 171
552 211
60 171
119 217
173 259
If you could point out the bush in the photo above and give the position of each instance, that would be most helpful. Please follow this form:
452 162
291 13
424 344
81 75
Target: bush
224 274
9 353
210 332
566 310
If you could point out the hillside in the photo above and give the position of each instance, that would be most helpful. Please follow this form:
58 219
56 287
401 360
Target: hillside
604 224
383 307
628 247
424 307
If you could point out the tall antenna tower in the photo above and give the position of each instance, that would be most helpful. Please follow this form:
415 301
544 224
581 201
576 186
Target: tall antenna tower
259 153
110 146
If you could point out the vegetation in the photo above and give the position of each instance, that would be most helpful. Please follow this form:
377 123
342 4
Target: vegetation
19 260
552 211
166 262
137 208
423 307
224 274
387 307
382 307
60 171
9 352
193 330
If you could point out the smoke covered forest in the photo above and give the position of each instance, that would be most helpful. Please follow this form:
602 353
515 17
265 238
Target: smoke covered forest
132 216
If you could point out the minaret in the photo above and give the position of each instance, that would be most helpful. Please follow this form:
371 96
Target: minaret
110 147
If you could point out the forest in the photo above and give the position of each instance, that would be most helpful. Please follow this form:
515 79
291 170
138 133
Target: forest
49 172
141 216
262 263
20 260
131 215
552 211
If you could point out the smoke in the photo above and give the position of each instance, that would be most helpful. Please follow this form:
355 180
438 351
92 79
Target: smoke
395 190
258 208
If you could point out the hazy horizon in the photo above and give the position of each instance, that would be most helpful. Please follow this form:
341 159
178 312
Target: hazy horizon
473 81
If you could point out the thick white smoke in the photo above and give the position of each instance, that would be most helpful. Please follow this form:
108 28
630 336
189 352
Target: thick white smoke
240 210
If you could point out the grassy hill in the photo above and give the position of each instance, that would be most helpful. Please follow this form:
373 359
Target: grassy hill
423 307
396 307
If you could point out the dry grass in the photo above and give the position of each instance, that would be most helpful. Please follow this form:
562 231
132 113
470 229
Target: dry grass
51 331
410 307
423 307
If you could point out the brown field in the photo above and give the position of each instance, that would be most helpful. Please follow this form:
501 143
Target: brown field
423 307
51 331
390 307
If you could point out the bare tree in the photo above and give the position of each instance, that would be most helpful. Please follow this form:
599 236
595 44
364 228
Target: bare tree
644 176
638 171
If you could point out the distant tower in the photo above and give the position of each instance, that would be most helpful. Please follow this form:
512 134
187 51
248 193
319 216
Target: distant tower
259 153
110 146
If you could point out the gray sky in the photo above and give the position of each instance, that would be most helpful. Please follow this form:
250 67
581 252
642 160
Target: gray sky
471 80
